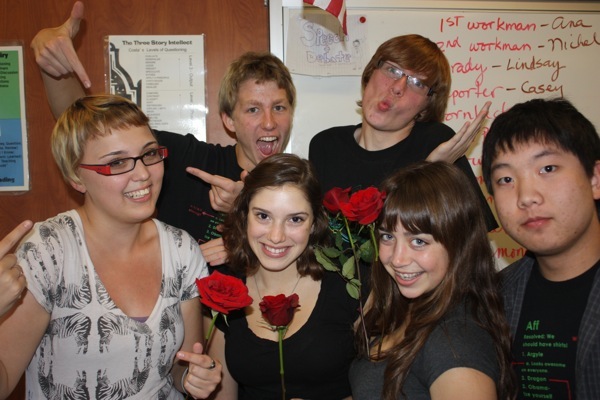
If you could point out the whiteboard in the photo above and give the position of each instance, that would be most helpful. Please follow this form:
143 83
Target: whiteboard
503 51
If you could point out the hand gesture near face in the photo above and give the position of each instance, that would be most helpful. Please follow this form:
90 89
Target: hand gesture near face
458 145
12 280
53 48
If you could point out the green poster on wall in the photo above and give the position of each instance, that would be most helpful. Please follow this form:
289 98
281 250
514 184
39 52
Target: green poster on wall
14 165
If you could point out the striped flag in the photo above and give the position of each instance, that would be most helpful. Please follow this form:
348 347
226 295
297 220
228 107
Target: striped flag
335 7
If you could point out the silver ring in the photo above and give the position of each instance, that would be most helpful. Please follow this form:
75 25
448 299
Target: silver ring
212 365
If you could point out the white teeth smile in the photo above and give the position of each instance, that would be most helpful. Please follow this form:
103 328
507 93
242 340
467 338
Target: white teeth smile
274 250
138 193
408 277
268 139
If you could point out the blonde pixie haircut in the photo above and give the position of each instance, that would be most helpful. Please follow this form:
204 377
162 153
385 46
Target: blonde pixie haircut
88 118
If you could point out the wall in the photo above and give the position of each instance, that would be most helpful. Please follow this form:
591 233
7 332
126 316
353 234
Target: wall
229 33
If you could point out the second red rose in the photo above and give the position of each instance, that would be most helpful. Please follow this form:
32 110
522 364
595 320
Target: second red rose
364 206
279 310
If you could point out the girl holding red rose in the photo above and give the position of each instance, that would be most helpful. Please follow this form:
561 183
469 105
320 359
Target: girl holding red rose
270 233
434 317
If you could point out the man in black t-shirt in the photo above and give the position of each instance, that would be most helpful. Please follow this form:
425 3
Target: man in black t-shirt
541 164
405 89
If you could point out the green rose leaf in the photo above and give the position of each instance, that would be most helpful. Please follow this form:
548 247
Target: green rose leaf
349 268
324 261
366 251
339 241
352 290
343 258
331 252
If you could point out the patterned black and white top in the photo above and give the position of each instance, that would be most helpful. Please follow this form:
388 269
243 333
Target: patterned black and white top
91 349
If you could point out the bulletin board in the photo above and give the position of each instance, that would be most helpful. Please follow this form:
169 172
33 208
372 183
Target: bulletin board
502 51
14 159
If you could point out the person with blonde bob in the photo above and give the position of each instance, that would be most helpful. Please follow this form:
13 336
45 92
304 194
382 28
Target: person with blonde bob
434 318
111 307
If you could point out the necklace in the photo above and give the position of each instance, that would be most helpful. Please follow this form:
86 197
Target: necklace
258 290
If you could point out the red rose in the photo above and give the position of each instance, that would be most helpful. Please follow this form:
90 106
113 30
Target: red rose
334 198
223 293
364 206
279 310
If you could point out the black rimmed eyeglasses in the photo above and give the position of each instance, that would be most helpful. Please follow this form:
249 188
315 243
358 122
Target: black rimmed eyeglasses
124 165
395 73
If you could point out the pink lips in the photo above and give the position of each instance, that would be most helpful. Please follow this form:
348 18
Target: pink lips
278 253
139 196
536 222
407 282
384 105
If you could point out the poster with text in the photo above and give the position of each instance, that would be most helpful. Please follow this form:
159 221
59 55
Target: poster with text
14 163
164 75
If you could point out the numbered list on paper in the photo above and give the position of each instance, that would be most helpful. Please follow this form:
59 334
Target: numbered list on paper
164 75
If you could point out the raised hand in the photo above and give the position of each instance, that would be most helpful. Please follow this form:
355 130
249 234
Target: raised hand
53 48
458 145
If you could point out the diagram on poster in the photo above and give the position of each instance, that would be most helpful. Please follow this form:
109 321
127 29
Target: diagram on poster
164 75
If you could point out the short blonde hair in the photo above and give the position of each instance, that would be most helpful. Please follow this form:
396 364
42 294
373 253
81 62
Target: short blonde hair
88 118
260 67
